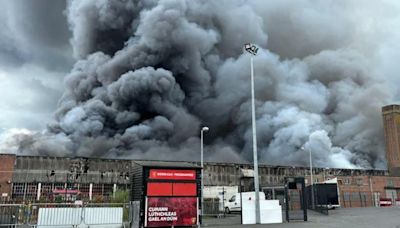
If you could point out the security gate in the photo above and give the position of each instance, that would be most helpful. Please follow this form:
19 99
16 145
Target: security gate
295 205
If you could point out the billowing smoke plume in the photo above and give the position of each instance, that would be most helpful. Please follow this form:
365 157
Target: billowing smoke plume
149 74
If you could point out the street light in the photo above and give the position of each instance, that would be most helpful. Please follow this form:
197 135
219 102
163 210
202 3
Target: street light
326 168
252 49
312 180
204 129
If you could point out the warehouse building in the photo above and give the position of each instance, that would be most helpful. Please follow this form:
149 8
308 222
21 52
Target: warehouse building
36 178
33 178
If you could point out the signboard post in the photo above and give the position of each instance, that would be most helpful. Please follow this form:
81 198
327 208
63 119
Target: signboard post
169 194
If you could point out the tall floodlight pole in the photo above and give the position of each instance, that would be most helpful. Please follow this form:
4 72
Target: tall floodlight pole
311 179
202 167
252 49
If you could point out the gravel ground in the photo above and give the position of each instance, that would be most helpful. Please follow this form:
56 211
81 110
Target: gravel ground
346 217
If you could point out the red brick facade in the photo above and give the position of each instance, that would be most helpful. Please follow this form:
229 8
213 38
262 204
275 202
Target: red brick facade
391 124
7 162
362 190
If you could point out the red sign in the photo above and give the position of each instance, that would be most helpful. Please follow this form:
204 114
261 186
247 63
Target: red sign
172 174
171 189
171 211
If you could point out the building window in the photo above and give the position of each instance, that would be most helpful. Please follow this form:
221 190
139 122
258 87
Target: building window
97 189
18 190
59 186
46 191
31 191
346 196
84 189
355 196
389 183
108 190
359 181
347 181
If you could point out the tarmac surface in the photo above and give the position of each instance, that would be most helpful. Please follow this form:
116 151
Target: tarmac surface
343 217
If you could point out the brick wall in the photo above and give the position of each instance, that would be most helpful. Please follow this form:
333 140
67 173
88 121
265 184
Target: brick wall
391 123
7 162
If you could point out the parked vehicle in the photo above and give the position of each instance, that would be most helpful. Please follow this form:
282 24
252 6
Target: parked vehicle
234 204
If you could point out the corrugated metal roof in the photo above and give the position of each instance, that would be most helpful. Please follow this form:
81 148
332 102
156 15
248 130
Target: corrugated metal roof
169 164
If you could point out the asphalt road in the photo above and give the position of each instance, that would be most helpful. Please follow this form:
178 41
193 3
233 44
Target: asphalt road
342 218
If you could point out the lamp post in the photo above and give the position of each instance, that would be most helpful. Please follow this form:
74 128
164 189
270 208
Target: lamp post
312 180
326 168
204 129
252 49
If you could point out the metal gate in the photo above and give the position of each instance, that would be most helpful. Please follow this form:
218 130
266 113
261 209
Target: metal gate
295 206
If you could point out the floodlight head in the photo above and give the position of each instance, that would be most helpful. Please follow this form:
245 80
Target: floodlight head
205 129
251 48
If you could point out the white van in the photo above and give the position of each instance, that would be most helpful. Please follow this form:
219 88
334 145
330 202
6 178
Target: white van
234 203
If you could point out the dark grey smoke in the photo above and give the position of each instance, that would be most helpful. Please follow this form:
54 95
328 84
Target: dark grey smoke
149 74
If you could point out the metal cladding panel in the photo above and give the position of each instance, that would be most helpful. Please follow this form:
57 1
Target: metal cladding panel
136 177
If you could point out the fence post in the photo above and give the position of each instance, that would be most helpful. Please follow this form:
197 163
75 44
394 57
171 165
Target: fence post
223 199
344 199
351 198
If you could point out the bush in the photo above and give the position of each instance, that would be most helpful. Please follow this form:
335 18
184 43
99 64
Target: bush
120 197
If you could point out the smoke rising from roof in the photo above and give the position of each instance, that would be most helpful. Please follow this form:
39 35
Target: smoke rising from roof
149 75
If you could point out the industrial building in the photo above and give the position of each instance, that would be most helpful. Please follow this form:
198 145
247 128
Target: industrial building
36 178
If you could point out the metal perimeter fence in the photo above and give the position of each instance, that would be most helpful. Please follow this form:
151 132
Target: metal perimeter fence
213 207
67 214
358 199
323 202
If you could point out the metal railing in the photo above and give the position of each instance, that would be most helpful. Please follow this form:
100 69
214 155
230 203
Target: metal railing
212 207
11 215
357 199
65 214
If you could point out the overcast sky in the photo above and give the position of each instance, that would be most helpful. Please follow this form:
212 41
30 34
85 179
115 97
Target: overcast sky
35 55
323 72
